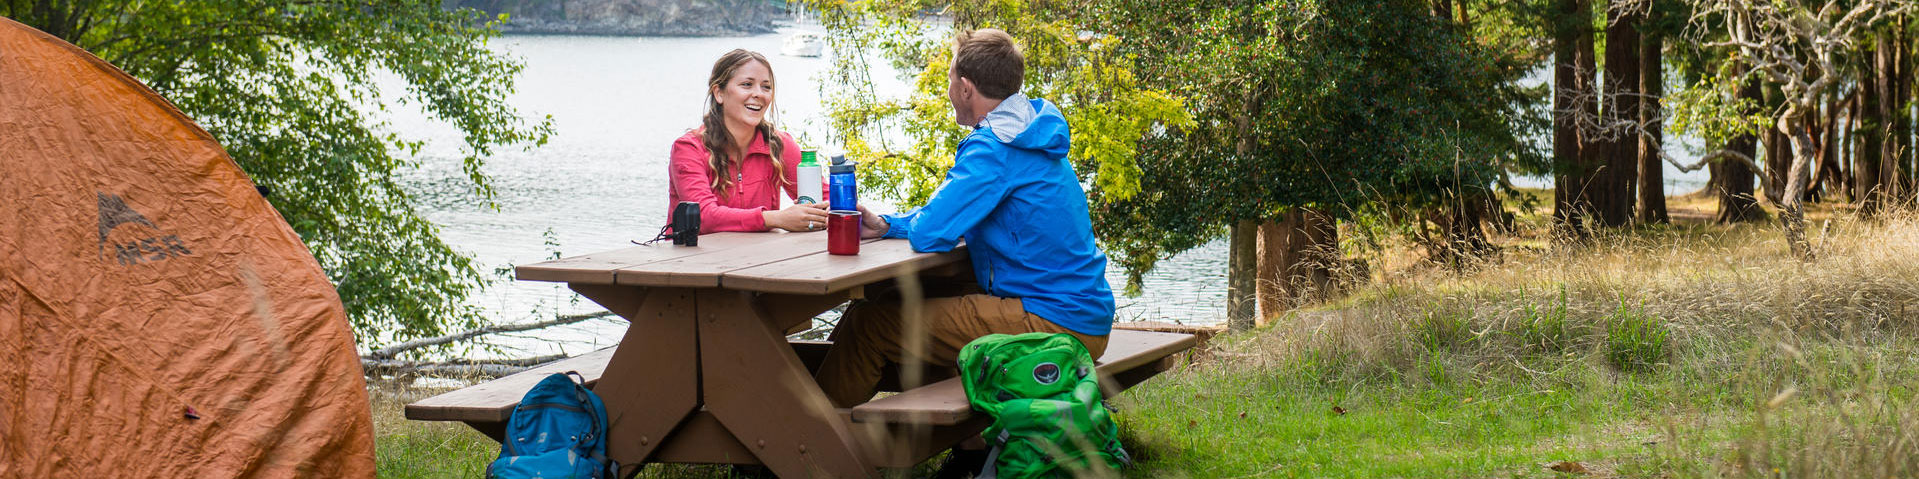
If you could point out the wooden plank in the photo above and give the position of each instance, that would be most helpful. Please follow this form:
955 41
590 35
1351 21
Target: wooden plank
703 440
597 268
761 391
1127 349
703 270
1201 333
944 402
822 274
493 401
652 388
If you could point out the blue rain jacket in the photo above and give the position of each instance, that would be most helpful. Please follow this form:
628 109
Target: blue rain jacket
1015 199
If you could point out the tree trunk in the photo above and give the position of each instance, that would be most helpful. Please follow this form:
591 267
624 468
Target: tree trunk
1733 181
1847 138
1242 270
1619 155
1866 159
1896 65
1462 240
1778 155
1572 74
1652 177
1296 260
1829 182
1792 214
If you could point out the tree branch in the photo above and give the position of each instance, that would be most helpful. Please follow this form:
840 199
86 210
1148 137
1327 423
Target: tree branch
1721 154
393 350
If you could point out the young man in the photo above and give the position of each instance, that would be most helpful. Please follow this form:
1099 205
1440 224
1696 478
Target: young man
1015 200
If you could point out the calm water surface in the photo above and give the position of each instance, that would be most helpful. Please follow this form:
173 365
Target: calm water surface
618 103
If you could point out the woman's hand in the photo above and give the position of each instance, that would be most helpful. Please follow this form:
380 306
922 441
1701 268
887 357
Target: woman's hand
799 217
872 225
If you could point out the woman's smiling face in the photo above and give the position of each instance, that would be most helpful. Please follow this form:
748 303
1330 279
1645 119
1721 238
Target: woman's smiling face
747 97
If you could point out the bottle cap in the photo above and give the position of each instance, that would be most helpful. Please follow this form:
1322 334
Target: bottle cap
809 157
846 167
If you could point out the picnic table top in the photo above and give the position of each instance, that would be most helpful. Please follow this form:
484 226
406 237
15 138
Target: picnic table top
772 262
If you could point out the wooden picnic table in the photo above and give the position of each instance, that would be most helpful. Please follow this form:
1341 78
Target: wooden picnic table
705 373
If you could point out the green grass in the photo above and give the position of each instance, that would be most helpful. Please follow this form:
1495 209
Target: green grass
1192 426
415 449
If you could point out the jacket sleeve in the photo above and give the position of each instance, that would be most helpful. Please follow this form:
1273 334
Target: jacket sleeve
973 189
694 181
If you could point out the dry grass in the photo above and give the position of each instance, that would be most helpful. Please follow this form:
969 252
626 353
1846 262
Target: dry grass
1749 362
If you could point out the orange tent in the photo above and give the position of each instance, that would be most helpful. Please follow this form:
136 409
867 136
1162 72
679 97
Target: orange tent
157 317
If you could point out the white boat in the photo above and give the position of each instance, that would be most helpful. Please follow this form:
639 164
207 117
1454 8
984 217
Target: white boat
803 45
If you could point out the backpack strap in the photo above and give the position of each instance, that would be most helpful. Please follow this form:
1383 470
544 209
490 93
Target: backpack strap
585 396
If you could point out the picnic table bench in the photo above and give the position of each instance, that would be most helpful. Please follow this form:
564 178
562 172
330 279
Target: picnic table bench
705 374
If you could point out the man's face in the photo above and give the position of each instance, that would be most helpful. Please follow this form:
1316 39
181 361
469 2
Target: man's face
960 92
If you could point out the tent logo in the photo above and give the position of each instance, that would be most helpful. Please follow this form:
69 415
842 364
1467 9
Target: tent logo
140 245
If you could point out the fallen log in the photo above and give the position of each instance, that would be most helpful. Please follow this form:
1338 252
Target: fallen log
391 351
458 368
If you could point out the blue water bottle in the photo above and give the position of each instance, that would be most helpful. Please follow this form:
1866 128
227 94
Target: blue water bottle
843 188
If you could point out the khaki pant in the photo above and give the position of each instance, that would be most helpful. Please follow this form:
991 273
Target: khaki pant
872 334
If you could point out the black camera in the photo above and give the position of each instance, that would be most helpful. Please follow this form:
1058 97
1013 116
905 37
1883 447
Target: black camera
686 224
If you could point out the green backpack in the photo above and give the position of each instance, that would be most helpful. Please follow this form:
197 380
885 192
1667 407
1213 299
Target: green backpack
1043 394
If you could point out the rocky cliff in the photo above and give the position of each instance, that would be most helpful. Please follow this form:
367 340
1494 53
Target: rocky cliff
633 17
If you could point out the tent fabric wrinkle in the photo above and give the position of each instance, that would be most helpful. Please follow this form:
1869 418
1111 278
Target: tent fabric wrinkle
158 318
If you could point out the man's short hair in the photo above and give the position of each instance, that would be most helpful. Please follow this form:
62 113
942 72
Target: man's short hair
989 58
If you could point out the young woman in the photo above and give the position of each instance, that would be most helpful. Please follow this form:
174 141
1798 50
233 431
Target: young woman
735 164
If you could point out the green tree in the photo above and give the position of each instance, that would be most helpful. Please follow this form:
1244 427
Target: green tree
1339 107
289 88
1800 49
906 144
1292 105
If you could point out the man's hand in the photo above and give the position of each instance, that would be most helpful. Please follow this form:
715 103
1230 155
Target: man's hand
871 225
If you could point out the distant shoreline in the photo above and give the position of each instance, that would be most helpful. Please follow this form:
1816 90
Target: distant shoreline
631 18
591 31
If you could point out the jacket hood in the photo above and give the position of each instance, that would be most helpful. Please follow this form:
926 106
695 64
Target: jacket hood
1029 124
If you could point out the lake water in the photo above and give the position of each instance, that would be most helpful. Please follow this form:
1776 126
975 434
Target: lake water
618 103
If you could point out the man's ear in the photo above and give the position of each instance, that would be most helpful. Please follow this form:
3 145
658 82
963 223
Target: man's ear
967 90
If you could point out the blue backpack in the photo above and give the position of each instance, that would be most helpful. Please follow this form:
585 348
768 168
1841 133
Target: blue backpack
557 432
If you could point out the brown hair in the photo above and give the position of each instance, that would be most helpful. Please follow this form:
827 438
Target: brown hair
989 58
719 143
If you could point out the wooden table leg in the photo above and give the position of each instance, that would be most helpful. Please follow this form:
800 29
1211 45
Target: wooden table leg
758 388
647 387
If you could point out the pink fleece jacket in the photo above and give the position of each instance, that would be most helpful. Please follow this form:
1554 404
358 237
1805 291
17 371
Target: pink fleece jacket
755 188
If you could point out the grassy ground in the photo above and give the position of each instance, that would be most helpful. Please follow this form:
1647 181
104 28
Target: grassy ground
1683 351
1690 350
